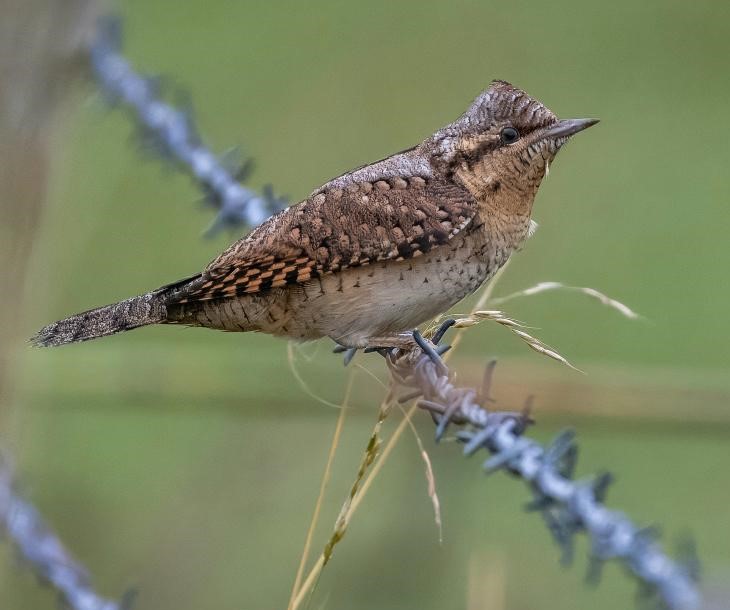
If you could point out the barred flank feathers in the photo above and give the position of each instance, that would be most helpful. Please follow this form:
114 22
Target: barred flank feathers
103 321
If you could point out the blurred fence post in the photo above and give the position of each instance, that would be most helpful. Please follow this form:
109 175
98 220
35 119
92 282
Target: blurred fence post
42 48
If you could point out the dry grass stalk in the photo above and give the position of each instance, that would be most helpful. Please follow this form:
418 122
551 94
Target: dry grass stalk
349 506
292 351
516 328
602 298
322 488
430 477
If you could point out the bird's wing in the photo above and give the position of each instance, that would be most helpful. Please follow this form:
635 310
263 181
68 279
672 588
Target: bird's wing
335 229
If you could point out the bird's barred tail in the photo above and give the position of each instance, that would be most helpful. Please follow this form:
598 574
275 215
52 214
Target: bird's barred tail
103 321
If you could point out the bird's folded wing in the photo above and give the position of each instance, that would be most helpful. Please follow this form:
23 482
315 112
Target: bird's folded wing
336 229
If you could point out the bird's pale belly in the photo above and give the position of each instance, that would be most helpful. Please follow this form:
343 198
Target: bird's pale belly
372 301
383 299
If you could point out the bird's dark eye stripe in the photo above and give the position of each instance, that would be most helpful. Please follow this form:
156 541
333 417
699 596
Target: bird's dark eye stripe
509 135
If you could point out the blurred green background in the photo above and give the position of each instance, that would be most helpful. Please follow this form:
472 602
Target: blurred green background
185 463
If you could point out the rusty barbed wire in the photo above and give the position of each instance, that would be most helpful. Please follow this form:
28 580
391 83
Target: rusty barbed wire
172 133
568 506
42 551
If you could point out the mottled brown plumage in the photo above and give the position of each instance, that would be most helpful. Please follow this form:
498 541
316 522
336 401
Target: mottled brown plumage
337 229
376 251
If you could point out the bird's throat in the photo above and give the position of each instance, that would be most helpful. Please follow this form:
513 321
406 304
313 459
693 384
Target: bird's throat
498 198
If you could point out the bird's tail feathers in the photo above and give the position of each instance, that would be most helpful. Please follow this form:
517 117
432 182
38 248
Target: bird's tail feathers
103 321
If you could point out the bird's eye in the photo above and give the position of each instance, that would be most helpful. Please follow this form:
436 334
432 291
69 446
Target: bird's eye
509 135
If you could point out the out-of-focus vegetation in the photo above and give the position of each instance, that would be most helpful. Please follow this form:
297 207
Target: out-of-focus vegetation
185 462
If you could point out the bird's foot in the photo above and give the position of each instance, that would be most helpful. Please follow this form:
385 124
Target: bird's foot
391 345
442 330
348 353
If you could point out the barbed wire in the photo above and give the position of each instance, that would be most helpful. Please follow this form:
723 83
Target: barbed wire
567 506
42 551
172 133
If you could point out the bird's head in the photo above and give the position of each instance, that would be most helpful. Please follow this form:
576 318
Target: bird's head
501 147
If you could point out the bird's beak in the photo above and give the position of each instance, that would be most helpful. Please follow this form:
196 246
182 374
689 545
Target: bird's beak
568 127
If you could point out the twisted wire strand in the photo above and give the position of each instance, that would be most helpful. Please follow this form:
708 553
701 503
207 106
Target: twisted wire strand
174 135
42 550
568 506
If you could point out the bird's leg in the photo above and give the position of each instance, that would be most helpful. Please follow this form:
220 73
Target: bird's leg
386 344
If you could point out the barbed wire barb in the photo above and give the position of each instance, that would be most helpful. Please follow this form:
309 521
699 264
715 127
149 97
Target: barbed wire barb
171 132
42 551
